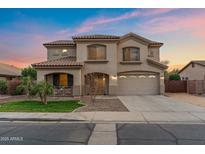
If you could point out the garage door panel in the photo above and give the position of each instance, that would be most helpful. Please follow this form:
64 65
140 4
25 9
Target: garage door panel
130 85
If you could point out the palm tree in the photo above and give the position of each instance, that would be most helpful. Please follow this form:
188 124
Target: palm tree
43 89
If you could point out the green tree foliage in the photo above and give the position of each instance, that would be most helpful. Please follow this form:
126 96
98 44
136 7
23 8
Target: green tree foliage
27 85
3 87
43 90
29 71
174 76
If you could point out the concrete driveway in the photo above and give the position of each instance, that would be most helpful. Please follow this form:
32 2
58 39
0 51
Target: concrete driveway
157 103
155 108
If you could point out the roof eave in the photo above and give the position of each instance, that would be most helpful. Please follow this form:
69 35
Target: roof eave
160 65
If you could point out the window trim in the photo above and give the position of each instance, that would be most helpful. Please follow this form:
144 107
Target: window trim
96 59
123 59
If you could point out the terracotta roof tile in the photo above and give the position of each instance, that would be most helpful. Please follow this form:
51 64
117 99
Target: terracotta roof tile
96 37
60 42
59 63
9 70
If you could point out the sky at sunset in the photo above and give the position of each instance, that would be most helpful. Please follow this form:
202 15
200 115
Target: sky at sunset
22 31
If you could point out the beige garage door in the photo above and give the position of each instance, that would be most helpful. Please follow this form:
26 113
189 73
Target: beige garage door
138 84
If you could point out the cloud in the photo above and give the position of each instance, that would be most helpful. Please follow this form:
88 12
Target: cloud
97 22
193 24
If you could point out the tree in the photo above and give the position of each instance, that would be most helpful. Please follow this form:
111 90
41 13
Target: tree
43 89
29 71
174 76
92 86
27 85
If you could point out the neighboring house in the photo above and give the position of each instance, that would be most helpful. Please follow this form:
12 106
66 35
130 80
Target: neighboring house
124 65
8 72
194 70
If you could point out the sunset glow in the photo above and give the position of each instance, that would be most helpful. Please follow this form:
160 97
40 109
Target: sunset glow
23 31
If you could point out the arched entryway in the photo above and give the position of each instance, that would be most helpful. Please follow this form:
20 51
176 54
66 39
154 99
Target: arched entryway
97 83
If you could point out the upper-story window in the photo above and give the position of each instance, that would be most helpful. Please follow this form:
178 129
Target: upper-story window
131 54
151 53
96 52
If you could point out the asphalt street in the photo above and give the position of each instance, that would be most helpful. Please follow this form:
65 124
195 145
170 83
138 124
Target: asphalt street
58 133
161 134
31 133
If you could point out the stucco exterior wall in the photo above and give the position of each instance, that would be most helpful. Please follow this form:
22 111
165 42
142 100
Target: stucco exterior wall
109 67
193 73
155 51
144 66
57 52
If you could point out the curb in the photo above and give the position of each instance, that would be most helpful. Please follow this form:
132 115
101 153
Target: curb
37 119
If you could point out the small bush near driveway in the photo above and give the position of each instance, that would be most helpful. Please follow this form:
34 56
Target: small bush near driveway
37 106
12 87
3 87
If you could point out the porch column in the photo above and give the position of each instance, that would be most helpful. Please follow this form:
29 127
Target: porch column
40 75
162 86
77 84
113 84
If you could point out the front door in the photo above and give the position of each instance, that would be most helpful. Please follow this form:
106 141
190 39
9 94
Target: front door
100 86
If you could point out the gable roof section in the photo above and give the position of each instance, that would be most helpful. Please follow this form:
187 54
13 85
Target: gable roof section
9 70
149 42
199 62
100 37
60 43
64 62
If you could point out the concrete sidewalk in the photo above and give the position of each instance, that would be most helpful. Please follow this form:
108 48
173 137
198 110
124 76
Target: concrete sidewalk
113 117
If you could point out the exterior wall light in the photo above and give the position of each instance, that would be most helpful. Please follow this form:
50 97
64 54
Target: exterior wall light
114 77
162 78
64 50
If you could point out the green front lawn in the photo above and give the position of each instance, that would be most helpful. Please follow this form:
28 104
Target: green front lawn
37 106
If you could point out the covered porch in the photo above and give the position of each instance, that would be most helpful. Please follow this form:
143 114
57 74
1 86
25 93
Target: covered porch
62 82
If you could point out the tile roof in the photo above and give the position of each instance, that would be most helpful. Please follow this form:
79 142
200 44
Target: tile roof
60 42
58 63
152 61
101 37
96 37
9 70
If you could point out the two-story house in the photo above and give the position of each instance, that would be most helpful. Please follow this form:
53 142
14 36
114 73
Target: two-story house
124 65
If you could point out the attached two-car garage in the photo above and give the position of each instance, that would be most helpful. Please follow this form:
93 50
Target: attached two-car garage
141 84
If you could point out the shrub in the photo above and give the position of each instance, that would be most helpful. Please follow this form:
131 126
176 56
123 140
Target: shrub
174 76
12 86
19 90
29 71
3 87
43 89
